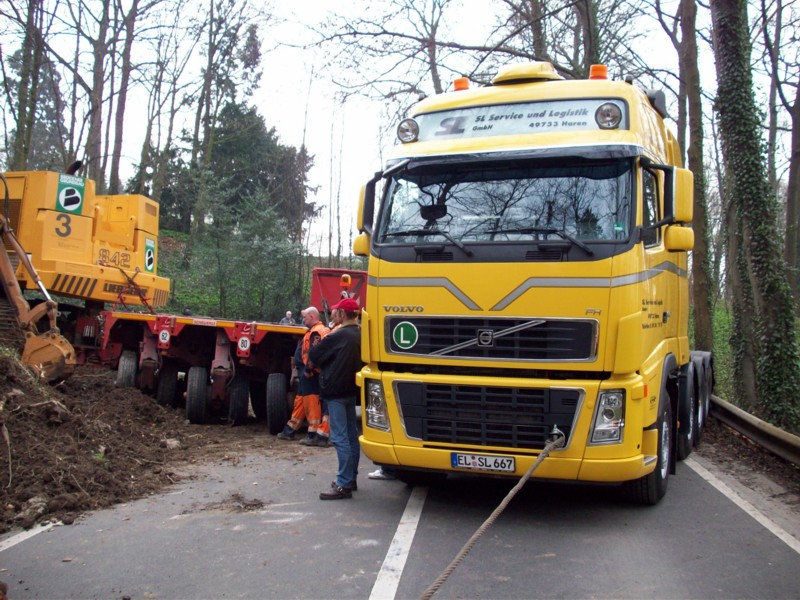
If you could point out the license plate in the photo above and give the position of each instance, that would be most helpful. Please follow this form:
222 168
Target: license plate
483 462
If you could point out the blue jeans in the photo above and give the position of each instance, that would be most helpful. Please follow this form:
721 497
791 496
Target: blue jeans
344 436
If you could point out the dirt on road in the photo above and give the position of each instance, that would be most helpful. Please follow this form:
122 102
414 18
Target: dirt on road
86 444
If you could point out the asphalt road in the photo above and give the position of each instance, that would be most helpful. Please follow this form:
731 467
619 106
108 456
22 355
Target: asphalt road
255 528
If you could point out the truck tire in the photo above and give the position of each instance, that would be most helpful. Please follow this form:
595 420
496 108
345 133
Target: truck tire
651 488
705 377
687 412
258 399
238 399
277 405
167 386
196 395
126 370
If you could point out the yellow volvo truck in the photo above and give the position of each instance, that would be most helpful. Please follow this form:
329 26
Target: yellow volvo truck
527 280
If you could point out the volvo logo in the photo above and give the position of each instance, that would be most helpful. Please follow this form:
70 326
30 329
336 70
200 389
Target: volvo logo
485 337
403 309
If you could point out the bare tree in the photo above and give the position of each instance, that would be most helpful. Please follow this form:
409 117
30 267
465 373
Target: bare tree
683 35
784 93
30 64
167 82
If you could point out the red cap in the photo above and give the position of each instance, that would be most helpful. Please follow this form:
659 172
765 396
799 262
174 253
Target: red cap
347 305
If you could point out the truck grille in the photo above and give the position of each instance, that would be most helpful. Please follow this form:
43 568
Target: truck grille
484 338
476 415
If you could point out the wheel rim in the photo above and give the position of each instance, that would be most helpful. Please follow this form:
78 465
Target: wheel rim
665 442
701 413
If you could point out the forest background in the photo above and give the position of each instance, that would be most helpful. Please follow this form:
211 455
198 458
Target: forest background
169 98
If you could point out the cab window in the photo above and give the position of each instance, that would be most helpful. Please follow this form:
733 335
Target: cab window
650 211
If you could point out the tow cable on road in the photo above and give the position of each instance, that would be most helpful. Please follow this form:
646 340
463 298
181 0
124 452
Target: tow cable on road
556 441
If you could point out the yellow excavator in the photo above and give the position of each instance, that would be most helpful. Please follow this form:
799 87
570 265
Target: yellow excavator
22 328
61 237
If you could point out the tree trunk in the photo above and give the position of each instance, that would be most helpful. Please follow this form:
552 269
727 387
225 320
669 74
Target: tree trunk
95 135
26 92
701 267
793 200
777 372
129 23
587 14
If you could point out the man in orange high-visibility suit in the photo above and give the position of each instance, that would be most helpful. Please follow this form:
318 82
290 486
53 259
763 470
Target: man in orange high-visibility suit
307 405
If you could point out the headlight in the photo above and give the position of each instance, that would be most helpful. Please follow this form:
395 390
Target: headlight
608 116
375 402
408 131
609 418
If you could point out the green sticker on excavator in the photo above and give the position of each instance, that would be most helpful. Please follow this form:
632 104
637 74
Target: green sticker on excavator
149 255
70 194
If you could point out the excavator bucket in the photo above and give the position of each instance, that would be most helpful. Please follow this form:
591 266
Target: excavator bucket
49 355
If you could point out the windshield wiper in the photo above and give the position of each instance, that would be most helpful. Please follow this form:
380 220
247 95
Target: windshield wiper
426 232
546 230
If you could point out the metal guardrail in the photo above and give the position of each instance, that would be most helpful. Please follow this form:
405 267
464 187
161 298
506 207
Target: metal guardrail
776 440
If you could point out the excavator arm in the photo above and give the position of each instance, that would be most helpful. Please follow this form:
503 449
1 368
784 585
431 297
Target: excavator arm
47 352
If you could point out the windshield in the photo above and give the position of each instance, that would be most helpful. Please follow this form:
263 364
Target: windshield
491 203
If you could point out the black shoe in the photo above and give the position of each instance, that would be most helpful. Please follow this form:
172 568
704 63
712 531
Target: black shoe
353 488
335 493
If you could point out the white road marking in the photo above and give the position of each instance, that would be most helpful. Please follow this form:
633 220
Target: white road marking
25 535
388 579
751 510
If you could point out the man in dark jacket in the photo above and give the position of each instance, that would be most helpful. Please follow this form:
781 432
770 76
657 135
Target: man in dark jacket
338 357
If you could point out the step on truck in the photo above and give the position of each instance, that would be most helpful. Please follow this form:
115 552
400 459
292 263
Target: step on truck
528 280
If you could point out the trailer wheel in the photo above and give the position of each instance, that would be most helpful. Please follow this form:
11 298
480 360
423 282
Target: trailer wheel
277 405
651 488
167 386
126 370
238 396
687 414
196 395
258 399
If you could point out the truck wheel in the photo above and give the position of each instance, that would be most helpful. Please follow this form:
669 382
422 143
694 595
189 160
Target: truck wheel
651 488
238 397
196 395
258 399
704 397
167 386
687 414
277 406
126 370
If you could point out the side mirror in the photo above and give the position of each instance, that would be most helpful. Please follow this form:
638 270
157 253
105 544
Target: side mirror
678 238
678 193
361 244
683 196
366 207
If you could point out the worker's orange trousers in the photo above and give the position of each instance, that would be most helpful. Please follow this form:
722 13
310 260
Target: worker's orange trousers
307 408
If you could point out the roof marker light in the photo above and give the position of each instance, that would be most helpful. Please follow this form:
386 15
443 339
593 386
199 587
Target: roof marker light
598 72
462 83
